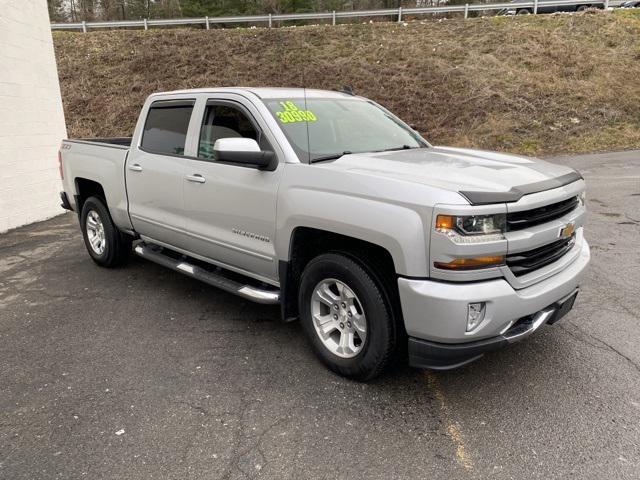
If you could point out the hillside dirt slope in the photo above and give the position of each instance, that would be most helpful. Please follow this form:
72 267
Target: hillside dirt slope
528 84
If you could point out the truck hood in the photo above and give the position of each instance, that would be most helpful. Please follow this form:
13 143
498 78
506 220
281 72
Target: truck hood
477 175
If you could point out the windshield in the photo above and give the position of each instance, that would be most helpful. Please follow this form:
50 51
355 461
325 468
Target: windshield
339 125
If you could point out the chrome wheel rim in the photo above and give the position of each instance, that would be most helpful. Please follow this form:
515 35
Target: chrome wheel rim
95 232
338 318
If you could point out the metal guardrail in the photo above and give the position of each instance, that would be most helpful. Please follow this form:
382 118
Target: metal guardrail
397 13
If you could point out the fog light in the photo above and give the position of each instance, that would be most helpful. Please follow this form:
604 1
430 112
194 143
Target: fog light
475 315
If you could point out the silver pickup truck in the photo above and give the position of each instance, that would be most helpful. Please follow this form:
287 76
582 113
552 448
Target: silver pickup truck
384 246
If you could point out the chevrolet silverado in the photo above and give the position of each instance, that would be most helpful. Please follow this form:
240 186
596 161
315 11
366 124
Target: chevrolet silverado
383 246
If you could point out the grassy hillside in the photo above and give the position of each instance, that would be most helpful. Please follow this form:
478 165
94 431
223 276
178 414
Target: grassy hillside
536 85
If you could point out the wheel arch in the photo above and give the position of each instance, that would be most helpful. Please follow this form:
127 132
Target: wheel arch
86 188
307 243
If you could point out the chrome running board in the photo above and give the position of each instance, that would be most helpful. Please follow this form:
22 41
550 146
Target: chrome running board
255 294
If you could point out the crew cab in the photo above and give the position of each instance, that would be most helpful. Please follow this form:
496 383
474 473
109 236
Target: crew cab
383 246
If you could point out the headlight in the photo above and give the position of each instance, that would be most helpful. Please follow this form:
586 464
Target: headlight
472 228
481 224
582 198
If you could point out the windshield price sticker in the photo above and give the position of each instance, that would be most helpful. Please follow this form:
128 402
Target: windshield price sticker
291 113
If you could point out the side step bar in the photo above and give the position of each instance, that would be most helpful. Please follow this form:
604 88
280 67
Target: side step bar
216 280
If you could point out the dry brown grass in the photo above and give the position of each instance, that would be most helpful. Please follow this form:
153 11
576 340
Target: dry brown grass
534 84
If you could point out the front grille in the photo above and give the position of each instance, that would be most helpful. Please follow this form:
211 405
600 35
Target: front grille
536 216
524 262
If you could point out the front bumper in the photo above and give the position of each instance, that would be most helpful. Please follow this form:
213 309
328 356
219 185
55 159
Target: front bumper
435 312
445 356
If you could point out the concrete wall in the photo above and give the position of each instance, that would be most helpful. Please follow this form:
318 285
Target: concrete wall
31 117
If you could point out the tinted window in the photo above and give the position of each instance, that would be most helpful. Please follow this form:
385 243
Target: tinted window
165 130
224 121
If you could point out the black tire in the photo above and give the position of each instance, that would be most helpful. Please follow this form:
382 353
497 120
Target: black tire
582 8
523 11
379 348
117 245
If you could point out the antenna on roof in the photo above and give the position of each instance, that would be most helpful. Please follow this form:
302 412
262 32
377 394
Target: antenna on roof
306 120
348 89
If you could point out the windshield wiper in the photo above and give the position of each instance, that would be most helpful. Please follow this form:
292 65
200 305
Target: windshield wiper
333 156
393 149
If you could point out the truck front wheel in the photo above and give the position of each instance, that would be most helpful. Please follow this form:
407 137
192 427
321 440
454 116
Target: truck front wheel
107 246
346 317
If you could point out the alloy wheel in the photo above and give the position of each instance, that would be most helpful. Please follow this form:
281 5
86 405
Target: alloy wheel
338 318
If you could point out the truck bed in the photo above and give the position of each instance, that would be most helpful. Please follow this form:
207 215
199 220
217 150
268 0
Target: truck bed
99 160
113 141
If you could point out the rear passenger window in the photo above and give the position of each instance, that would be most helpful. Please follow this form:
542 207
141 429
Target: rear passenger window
165 130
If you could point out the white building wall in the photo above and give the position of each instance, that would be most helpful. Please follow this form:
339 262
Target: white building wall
31 116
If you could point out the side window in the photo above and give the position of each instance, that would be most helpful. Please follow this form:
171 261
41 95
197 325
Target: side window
224 121
165 130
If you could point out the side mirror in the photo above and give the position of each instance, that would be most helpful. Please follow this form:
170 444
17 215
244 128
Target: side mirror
243 151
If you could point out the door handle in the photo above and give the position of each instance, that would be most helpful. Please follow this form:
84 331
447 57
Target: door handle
135 167
196 177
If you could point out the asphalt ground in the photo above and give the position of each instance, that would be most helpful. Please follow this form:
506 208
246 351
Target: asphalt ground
142 373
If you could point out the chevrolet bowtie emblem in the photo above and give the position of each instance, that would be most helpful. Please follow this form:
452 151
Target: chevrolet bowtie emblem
567 230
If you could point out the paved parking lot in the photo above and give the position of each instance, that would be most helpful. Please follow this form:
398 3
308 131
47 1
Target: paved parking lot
143 373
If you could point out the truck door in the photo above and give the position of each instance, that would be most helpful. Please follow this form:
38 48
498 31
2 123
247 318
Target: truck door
155 170
231 209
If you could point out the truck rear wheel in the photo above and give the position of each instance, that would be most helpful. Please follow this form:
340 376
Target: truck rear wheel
346 317
107 246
